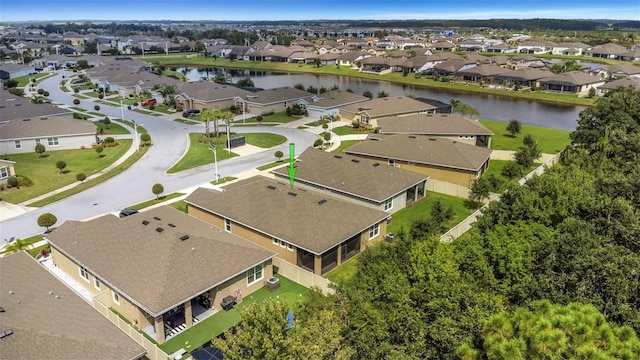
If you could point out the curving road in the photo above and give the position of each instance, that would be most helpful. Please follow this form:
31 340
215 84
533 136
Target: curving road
134 185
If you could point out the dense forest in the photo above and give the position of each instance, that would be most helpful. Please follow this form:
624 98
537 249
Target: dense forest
551 271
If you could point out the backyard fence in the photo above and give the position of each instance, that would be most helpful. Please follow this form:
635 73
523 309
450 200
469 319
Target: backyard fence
448 188
153 351
465 224
301 276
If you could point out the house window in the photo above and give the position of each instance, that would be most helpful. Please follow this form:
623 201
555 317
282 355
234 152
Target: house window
4 172
18 144
289 247
227 225
374 231
96 283
392 162
116 298
84 273
388 204
38 141
275 241
254 274
53 141
283 244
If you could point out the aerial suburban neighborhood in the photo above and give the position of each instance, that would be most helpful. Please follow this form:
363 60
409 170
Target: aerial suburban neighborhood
319 189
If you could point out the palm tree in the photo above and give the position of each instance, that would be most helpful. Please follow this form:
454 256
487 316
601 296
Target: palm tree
208 115
166 91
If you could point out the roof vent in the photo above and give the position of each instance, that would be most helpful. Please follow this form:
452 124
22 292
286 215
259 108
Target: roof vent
171 225
26 119
145 222
1 309
43 118
292 193
322 201
271 187
157 218
432 139
355 160
376 164
159 229
337 156
412 137
184 237
17 104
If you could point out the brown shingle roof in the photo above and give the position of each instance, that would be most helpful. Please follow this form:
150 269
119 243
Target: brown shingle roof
276 95
571 78
46 126
432 124
157 270
387 106
210 91
344 174
335 98
16 107
46 327
297 216
423 150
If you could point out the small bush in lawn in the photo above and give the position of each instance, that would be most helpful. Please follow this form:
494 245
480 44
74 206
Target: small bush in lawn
41 91
100 96
12 182
355 124
317 143
76 101
24 181
46 93
96 108
109 140
81 177
185 114
259 118
152 107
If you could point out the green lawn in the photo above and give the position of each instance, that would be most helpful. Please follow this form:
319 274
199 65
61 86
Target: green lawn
179 205
45 175
348 130
223 320
152 202
344 272
111 129
199 154
421 209
270 165
280 117
222 180
263 140
550 141
495 168
24 80
345 144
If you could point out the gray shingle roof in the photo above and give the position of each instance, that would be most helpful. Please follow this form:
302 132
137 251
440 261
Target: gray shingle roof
270 206
388 106
335 98
46 327
423 150
572 78
16 107
276 95
210 91
344 174
432 124
157 270
47 126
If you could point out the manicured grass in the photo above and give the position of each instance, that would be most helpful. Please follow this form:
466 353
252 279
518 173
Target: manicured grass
199 154
270 165
281 118
421 209
25 80
23 243
348 130
164 109
223 180
35 251
112 128
495 168
345 144
215 325
47 177
302 127
550 141
152 202
264 140
317 123
344 272
188 122
93 182
75 108
179 205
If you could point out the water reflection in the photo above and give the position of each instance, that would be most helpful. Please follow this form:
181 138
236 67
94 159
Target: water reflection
490 106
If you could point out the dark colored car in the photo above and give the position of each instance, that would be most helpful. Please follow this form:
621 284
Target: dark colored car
127 212
192 112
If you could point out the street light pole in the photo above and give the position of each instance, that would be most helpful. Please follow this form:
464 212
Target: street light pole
215 159
121 108
135 130
228 139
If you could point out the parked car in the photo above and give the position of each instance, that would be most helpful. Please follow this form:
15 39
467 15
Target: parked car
127 212
148 102
192 112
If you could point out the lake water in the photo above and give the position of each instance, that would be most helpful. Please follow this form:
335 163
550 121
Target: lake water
501 108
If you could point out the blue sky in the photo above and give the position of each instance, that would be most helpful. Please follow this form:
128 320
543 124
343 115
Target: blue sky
23 10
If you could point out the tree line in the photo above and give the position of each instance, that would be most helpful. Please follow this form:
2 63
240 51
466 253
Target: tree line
549 271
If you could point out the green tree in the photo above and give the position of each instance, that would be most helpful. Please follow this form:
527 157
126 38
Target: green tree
547 331
166 91
529 153
47 220
81 177
76 101
368 94
279 154
61 164
246 82
106 121
512 170
40 149
96 108
591 93
157 189
382 94
207 116
145 138
514 127
99 150
480 190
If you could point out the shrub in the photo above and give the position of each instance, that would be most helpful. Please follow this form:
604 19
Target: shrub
81 177
185 114
151 107
317 143
46 93
101 96
24 181
12 182
259 118
40 149
61 164
109 140
279 154
327 136
40 91
16 91
76 101
76 90
355 124
135 104
96 108
99 149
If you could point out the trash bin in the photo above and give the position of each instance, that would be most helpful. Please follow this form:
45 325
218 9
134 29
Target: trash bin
273 283
228 302
390 238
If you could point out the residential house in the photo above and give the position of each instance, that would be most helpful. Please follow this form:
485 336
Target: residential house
43 319
367 111
535 47
274 100
480 73
608 50
330 102
503 48
59 132
437 58
470 45
161 269
450 126
618 71
362 181
202 95
451 67
525 61
309 229
12 71
17 107
570 49
350 58
73 38
129 83
374 65
526 77
6 170
440 158
443 46
573 82
633 82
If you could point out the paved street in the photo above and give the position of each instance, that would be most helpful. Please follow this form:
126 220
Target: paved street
134 185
